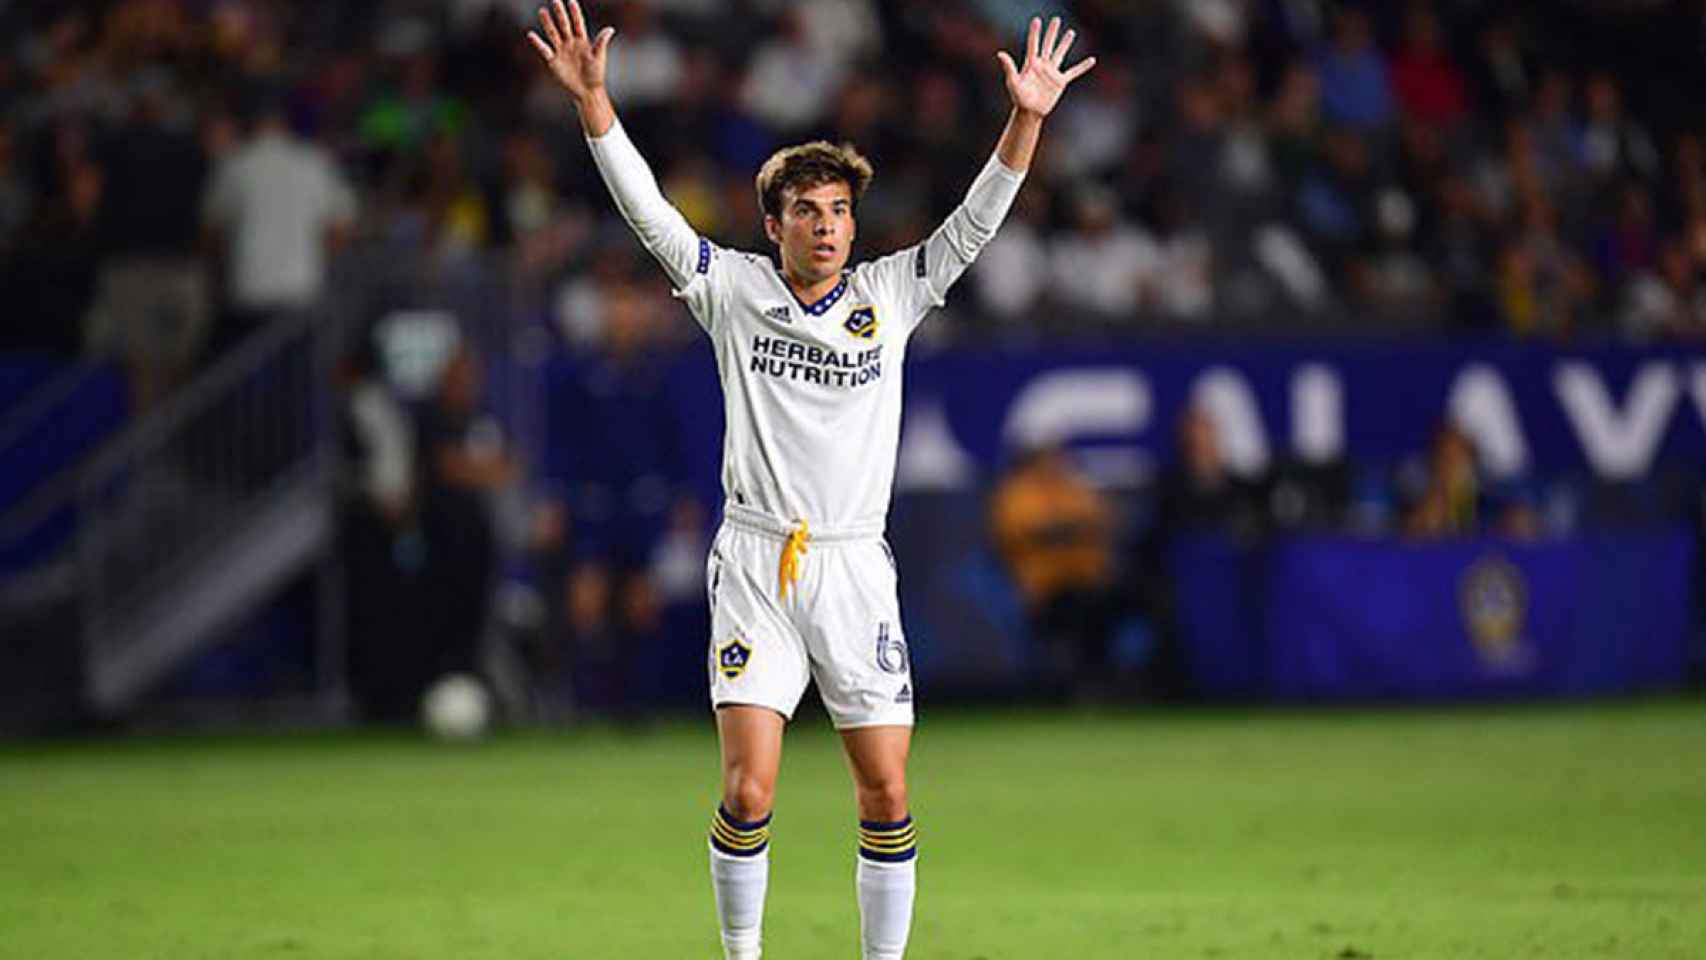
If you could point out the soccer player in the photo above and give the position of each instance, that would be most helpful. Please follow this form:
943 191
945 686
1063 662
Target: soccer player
802 585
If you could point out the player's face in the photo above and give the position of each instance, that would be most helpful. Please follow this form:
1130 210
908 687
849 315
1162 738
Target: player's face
815 231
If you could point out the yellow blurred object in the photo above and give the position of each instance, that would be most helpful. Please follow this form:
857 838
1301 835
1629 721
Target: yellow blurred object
795 548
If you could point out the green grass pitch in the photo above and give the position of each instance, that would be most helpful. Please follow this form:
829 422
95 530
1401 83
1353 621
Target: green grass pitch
1501 833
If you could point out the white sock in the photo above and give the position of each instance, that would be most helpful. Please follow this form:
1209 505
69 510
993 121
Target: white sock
739 879
887 878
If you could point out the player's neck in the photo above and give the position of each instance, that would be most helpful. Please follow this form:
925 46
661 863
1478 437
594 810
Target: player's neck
809 290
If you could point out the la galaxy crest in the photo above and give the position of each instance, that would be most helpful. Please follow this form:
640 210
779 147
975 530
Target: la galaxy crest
1493 598
732 657
862 322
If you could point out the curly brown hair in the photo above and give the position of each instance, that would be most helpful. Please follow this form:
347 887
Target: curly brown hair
809 165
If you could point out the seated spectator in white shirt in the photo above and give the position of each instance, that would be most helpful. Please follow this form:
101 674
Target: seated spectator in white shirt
1104 265
647 66
789 83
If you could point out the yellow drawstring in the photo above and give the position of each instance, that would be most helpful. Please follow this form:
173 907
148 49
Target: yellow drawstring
791 553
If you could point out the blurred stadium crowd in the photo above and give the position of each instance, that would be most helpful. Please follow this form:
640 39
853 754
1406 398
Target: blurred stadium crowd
1536 168
175 173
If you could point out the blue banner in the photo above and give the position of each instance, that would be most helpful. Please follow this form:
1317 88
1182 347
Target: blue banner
1316 619
1532 409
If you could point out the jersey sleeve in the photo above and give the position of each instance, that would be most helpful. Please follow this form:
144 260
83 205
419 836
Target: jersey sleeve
917 278
692 262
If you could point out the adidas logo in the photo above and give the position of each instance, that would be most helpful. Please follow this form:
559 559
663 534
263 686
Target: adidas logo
779 314
905 694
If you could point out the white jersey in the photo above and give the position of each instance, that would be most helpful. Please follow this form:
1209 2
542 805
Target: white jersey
811 391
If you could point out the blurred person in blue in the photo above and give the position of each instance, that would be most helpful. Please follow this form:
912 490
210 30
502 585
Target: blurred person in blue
1356 89
617 471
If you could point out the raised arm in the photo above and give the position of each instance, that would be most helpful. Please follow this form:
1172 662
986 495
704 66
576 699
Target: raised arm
577 61
1034 89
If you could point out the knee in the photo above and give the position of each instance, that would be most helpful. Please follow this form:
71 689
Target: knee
747 797
884 800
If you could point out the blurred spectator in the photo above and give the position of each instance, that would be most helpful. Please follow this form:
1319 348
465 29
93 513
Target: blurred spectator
381 440
1106 264
404 115
1294 121
1628 242
1355 90
646 67
458 220
545 232
1458 244
1448 498
1053 534
1244 170
383 549
1051 528
1428 83
1097 129
1194 150
279 205
152 305
790 85
1199 494
1393 279
58 250
1221 23
1448 503
619 477
1335 201
1551 129
1504 74
1183 279
1612 144
462 465
1543 285
843 31
1669 299
1686 191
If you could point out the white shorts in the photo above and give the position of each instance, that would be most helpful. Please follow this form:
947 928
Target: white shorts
838 625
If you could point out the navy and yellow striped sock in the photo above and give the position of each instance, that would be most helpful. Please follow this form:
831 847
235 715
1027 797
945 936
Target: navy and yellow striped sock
888 842
739 838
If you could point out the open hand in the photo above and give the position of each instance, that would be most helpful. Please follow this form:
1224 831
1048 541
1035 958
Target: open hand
1037 87
576 59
